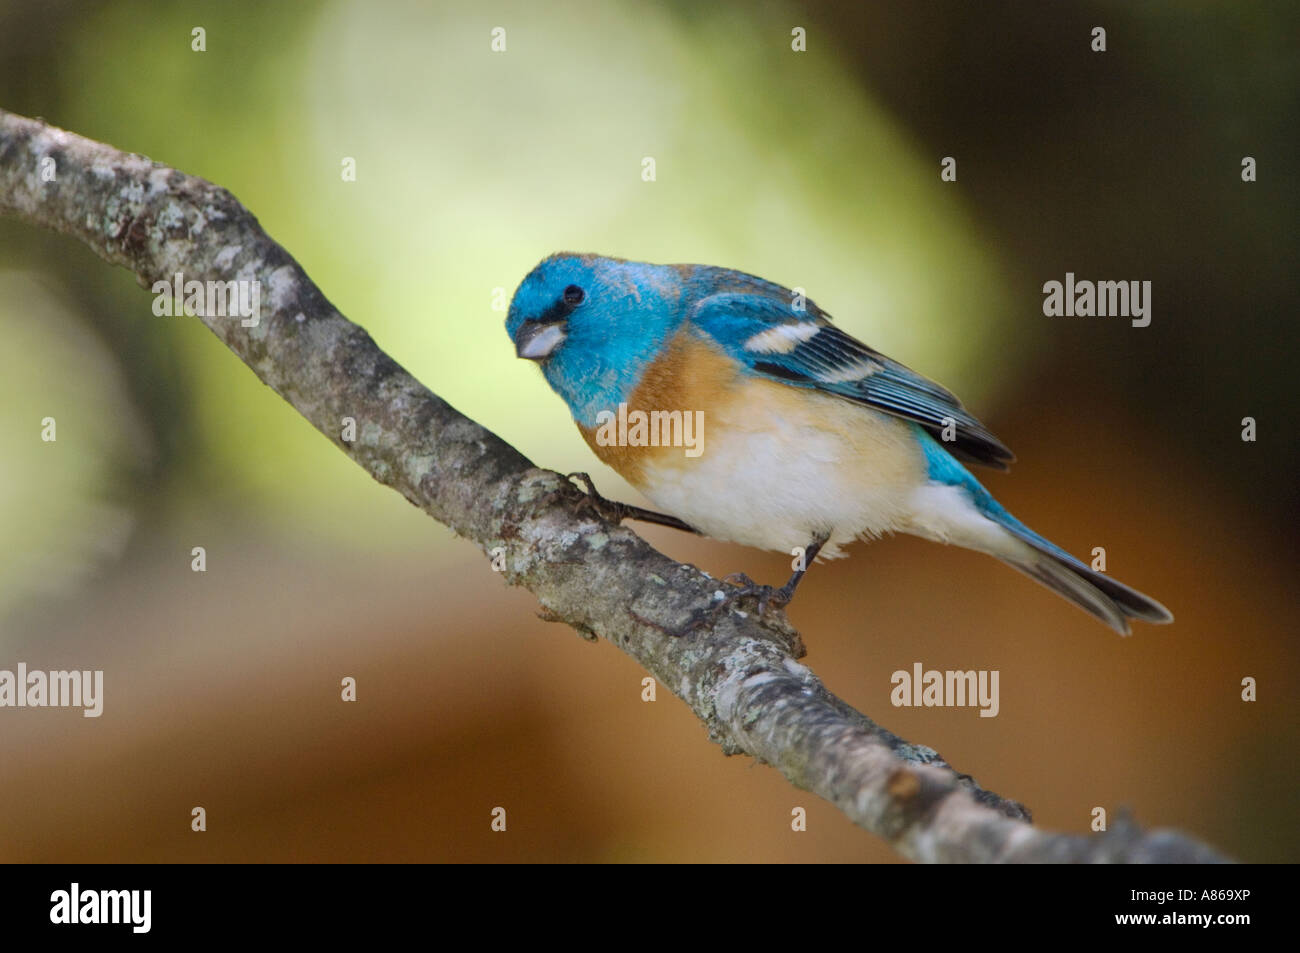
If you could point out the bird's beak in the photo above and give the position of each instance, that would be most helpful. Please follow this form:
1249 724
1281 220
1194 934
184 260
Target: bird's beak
535 340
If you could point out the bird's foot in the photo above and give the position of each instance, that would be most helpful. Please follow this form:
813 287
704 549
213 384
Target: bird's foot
742 587
766 597
592 503
615 512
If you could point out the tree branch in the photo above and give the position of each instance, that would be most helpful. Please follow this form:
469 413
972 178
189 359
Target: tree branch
737 672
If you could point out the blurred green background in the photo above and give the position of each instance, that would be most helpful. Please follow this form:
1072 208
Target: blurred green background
817 169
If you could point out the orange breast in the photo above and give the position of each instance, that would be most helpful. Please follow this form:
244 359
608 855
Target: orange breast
690 375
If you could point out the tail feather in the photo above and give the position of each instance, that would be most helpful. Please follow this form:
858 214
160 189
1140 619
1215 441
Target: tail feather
1000 534
1110 601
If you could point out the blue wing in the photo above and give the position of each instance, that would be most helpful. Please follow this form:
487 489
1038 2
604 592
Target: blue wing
757 323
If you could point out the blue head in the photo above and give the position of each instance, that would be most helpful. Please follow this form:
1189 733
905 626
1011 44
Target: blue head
593 324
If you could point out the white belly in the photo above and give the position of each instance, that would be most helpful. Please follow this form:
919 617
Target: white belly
780 467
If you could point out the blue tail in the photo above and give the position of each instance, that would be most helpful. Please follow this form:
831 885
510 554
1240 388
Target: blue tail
1042 560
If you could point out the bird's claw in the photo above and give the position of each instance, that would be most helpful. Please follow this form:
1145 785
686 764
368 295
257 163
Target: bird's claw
739 588
742 588
592 502
589 502
613 511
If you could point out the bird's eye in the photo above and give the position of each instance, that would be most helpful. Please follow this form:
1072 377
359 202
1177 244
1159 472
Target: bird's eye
574 296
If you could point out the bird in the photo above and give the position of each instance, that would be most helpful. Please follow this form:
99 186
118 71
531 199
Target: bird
808 439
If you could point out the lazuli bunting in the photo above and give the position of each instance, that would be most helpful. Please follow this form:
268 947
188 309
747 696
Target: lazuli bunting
736 405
